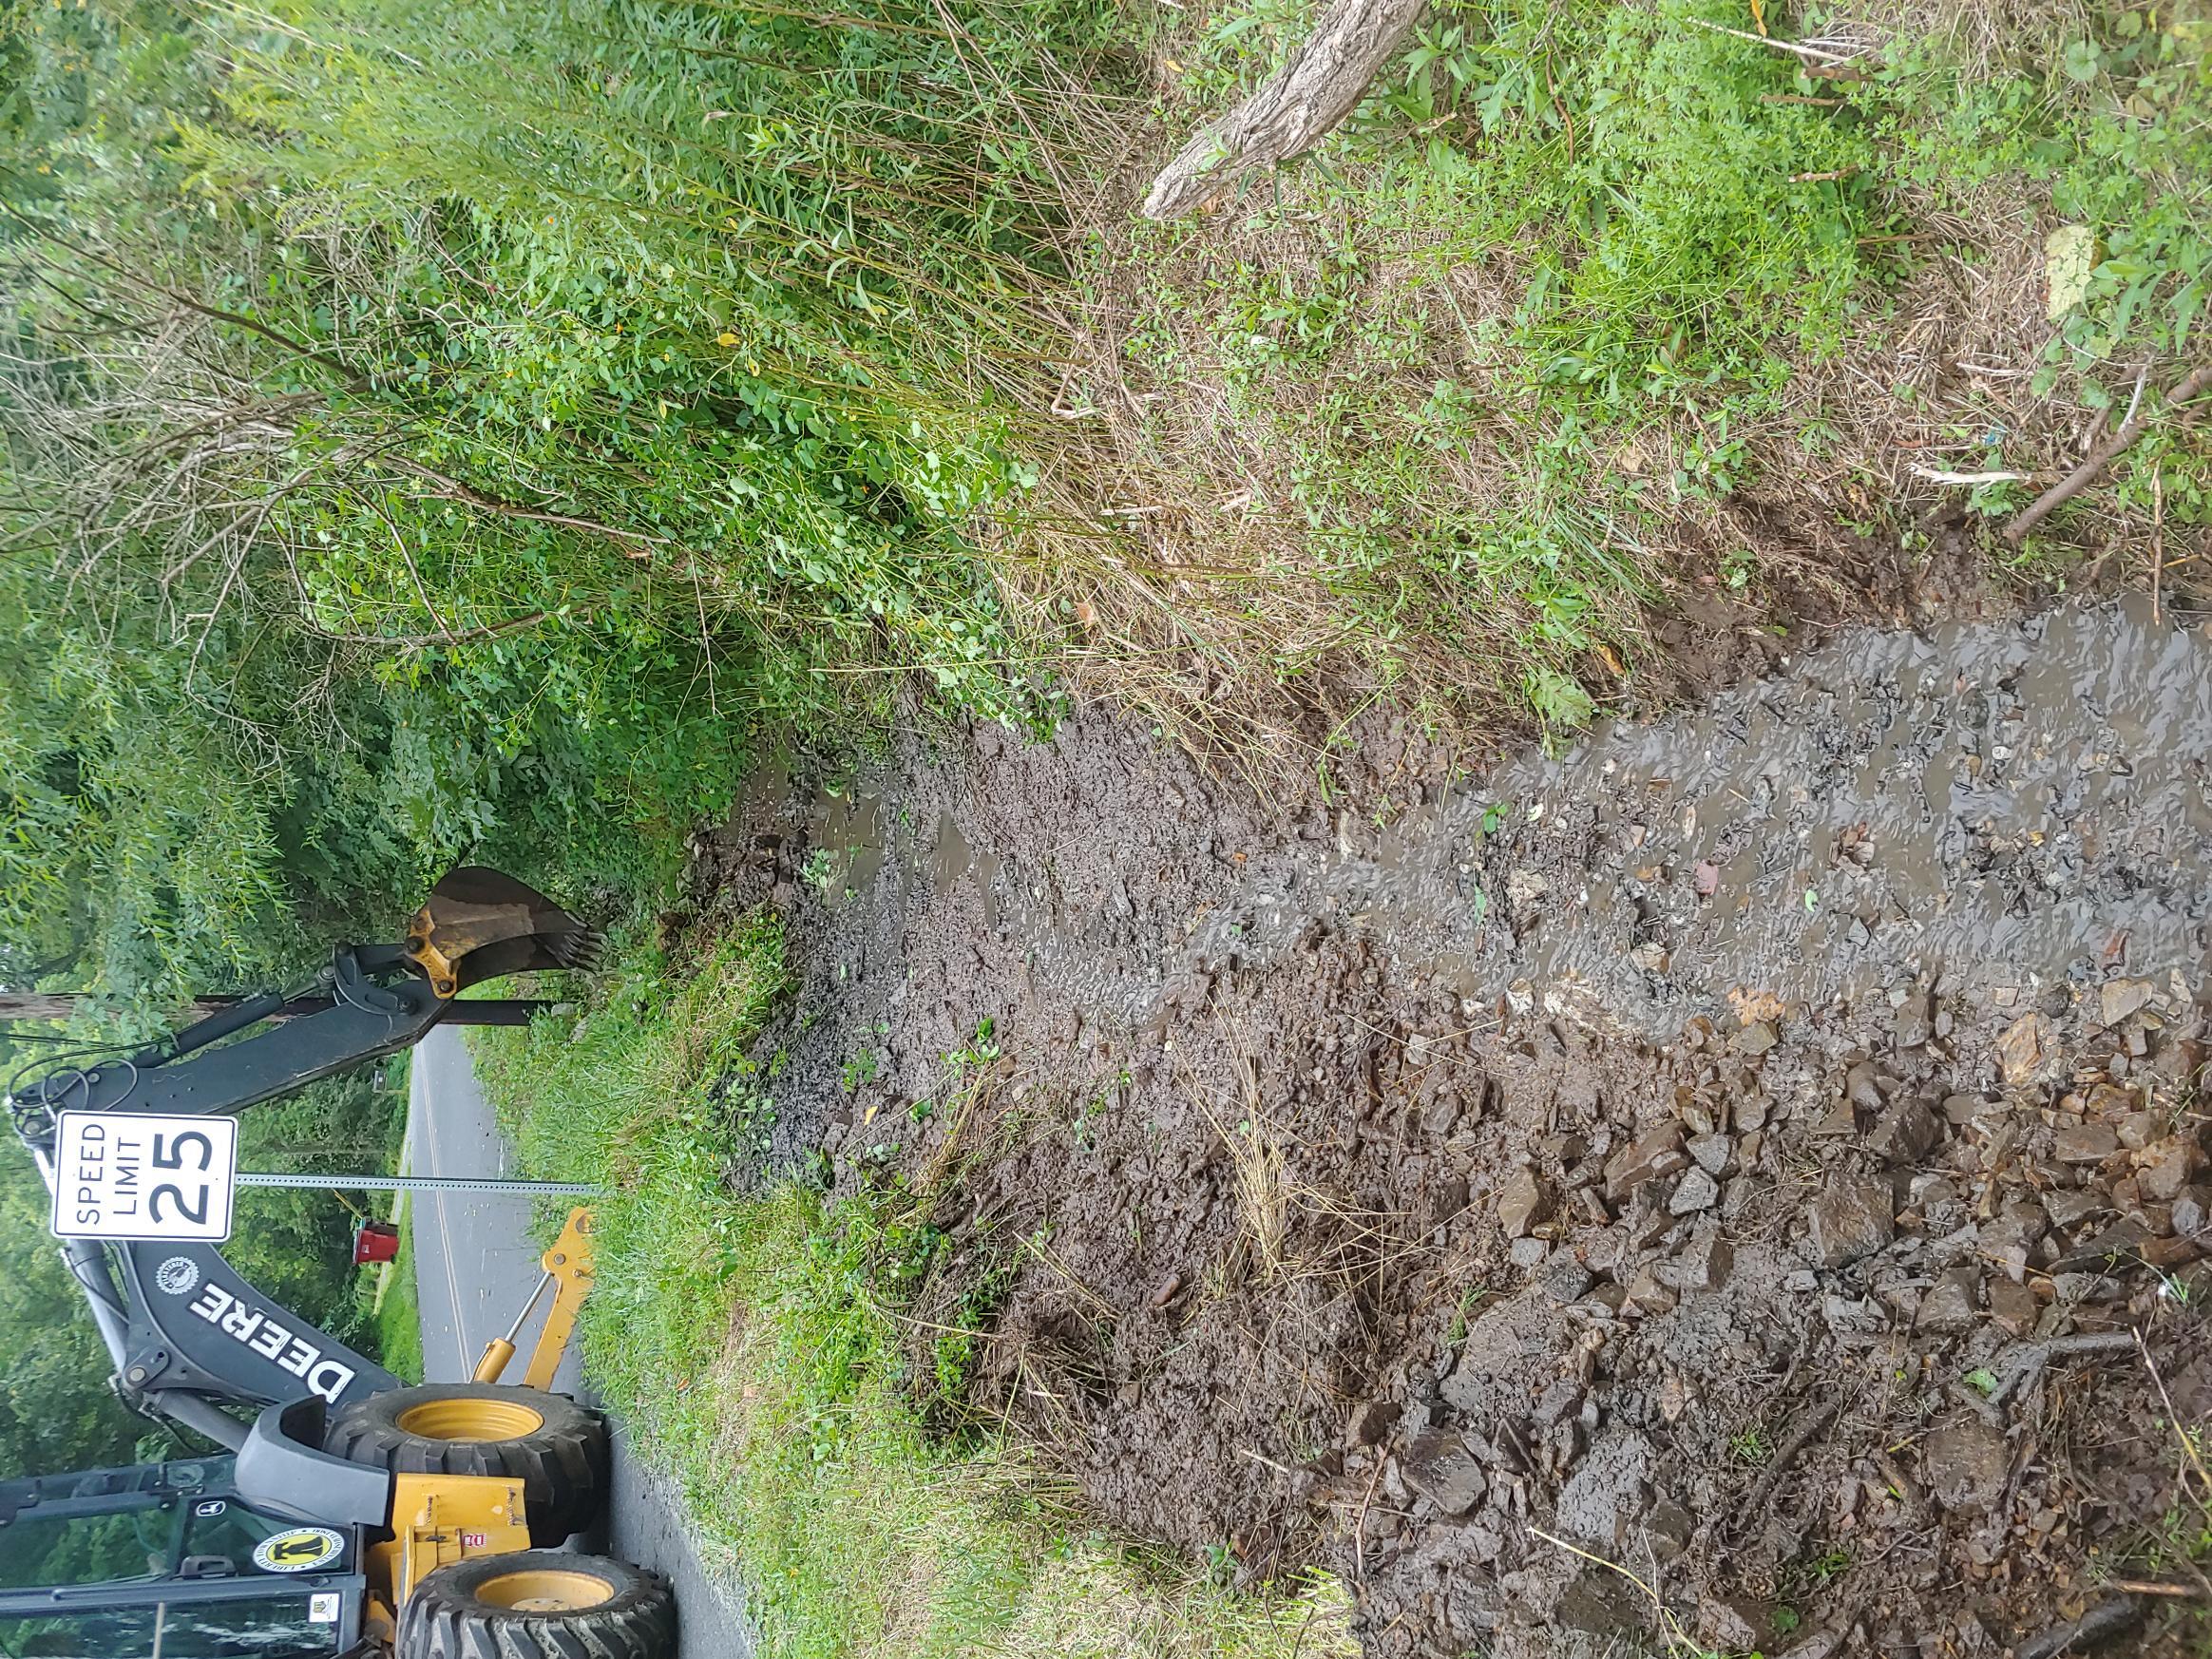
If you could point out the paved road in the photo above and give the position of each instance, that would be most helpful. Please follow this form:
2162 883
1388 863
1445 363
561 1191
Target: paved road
475 1266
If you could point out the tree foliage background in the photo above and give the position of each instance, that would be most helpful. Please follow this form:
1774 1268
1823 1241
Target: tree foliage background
435 432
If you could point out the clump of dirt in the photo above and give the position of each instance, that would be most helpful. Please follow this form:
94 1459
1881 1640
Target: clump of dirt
1741 1183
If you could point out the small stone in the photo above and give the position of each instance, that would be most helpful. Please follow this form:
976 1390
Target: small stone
1731 1624
2163 1170
1819 1643
2119 998
1862 1088
1949 1306
1651 1156
1751 1110
2192 1208
1696 1191
1647 1295
1711 1151
1703 1263
2071 1206
1906 1132
1526 1254
2085 1143
2022 1048
1521 1203
1563 1278
1800 1281
1851 1219
1966 1463
1915 1021
1757 1039
1438 1466
1372 1420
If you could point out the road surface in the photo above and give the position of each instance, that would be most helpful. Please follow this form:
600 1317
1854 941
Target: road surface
475 1266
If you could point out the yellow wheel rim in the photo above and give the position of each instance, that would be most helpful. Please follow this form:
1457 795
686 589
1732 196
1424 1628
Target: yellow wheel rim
546 1589
470 1420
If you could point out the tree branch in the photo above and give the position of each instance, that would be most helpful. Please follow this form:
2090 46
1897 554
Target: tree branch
1294 111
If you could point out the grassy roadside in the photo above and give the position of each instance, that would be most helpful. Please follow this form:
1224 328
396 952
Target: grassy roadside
399 1320
752 1344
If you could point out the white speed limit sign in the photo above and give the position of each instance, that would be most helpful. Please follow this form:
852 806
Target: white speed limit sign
145 1176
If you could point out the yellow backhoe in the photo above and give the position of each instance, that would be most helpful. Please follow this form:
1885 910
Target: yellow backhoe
348 1514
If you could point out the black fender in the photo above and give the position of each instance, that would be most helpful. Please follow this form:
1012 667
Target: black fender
283 1471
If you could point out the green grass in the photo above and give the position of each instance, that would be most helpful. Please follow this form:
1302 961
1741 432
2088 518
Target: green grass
754 1346
399 1320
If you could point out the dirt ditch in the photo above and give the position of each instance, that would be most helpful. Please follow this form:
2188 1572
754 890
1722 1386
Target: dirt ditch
1740 1182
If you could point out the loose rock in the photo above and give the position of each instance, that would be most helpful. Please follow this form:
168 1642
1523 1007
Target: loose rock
1655 1155
2021 1049
1852 1218
1521 1203
1697 1190
2085 1143
1966 1462
1438 1466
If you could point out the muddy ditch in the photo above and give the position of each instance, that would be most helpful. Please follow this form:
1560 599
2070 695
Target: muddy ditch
1760 1149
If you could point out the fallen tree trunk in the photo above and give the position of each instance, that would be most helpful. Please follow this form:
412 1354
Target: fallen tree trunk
1294 111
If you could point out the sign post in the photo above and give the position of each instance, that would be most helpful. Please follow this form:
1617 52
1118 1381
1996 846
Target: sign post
148 1175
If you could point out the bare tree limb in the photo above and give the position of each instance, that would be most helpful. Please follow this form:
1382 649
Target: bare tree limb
2103 456
1294 111
446 489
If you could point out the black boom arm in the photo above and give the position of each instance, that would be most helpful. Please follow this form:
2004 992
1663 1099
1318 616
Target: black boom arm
188 1335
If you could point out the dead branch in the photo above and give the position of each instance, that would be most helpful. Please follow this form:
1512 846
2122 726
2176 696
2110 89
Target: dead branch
446 489
2103 455
1294 111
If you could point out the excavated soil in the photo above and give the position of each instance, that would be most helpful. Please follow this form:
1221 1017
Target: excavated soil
1760 1149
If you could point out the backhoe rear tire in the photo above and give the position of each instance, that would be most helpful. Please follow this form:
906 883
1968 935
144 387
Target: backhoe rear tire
555 1447
539 1603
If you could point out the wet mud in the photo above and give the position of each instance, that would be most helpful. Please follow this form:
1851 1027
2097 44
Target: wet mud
1760 1149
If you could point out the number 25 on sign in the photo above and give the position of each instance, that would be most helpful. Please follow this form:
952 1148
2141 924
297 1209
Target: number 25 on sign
145 1176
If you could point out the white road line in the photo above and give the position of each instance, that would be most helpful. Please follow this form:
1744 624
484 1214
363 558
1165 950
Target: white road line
444 1236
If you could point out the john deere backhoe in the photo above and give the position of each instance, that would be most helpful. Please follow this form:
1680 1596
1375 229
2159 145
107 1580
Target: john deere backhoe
344 1513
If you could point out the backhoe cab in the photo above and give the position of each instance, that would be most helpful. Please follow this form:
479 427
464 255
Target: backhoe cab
347 1513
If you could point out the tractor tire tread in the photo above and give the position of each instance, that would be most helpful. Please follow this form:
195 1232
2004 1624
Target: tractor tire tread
562 1465
445 1619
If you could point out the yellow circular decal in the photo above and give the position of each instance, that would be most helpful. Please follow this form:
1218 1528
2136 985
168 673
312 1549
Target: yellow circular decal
301 1549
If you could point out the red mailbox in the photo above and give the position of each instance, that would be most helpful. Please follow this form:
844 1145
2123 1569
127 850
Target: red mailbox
375 1240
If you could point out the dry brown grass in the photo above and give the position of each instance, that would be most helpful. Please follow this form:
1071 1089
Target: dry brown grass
1256 1170
1170 554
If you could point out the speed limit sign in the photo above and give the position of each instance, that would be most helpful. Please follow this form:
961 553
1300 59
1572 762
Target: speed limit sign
145 1176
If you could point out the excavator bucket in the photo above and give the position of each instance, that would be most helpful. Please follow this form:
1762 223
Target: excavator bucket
478 924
